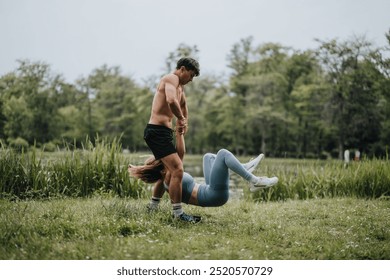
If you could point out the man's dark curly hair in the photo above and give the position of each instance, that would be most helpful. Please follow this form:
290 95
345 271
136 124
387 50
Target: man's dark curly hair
190 64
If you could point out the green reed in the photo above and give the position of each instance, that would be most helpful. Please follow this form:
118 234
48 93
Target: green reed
96 168
326 179
101 168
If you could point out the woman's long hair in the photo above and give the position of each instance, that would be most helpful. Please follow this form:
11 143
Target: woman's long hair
151 172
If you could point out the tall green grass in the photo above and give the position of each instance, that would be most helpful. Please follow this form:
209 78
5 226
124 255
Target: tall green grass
307 179
102 168
99 167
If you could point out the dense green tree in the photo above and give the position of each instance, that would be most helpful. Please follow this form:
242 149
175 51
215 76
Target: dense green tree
239 57
307 92
353 97
200 96
269 97
381 58
115 106
19 118
28 91
260 87
234 123
276 100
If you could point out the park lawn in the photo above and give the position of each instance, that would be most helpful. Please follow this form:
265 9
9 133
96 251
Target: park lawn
118 228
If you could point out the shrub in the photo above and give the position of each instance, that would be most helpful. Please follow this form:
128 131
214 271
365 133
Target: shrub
50 147
18 144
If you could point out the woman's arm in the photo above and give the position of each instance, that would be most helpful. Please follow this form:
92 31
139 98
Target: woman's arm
184 109
180 145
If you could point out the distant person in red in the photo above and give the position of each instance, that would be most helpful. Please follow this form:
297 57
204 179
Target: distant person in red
357 155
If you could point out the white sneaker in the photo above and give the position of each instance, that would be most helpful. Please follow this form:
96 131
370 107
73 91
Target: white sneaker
250 166
263 183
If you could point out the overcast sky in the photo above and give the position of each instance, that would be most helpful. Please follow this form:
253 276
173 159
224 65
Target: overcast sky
77 36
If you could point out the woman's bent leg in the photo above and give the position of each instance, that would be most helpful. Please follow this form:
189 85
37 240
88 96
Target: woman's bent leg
208 162
224 161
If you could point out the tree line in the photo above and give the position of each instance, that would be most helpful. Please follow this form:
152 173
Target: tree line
277 100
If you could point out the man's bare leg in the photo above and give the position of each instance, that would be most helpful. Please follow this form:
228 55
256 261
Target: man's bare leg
175 166
157 193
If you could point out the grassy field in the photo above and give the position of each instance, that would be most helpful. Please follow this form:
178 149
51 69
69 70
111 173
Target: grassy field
81 204
118 228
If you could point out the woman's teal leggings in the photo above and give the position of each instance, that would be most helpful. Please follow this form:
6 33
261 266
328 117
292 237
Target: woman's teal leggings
215 191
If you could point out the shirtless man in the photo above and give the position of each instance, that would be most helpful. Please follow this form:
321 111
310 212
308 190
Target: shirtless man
169 102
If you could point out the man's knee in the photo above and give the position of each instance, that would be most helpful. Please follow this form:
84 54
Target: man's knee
177 172
173 163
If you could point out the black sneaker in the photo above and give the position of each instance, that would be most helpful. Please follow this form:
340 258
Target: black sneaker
189 218
152 208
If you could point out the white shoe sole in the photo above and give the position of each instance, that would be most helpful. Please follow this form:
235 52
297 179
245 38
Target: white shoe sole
273 182
255 163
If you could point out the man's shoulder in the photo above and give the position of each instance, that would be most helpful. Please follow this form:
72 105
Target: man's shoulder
171 78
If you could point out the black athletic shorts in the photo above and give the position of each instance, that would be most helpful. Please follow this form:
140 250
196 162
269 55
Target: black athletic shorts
159 139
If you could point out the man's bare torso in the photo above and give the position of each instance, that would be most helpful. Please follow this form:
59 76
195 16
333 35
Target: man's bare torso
161 112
